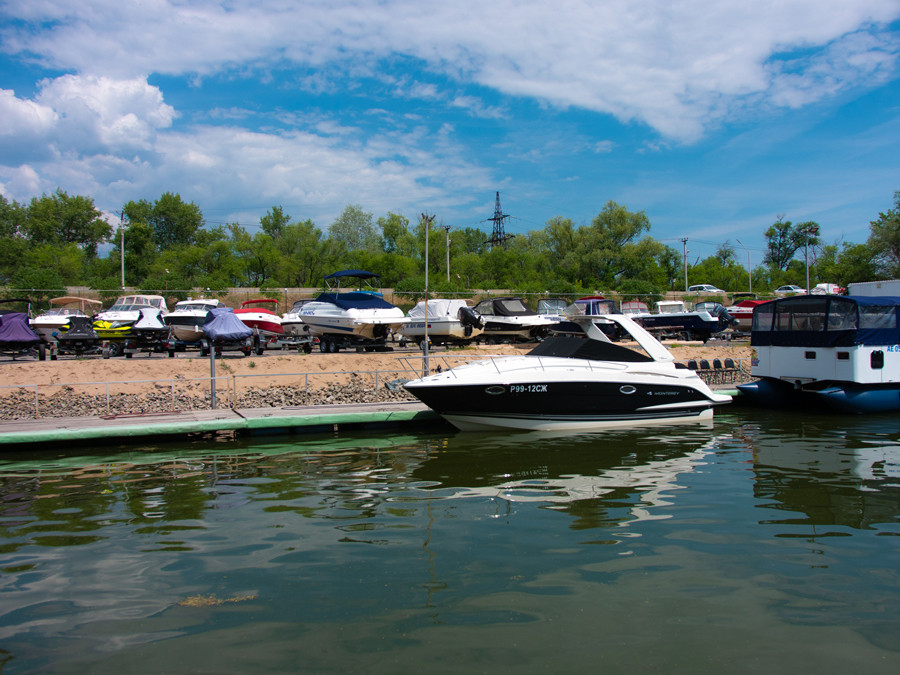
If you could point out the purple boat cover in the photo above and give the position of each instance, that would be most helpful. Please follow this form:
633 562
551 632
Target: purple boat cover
14 328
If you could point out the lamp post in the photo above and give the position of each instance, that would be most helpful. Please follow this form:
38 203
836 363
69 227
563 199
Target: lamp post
810 229
749 269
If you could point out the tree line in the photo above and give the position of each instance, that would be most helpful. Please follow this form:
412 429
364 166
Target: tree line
55 241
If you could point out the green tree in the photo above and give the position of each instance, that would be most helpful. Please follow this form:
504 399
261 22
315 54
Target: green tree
274 222
307 255
355 228
884 240
63 219
173 221
783 240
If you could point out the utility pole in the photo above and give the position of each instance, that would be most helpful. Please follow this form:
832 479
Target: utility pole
447 231
498 235
684 246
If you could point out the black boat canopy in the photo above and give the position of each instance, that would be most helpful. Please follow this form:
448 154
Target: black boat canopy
827 321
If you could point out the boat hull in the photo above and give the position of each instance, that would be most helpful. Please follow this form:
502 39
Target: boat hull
841 397
545 405
440 331
267 325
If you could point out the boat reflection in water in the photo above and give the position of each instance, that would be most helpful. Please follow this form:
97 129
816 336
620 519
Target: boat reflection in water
846 476
630 481
381 552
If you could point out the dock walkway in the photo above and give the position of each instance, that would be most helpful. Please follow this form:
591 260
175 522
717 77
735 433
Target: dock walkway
122 428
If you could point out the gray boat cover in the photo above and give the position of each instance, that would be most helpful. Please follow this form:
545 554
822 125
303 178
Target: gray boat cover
14 330
223 324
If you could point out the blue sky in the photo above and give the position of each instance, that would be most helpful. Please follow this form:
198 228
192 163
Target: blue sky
715 117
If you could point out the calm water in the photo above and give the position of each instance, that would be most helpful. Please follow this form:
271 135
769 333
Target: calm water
759 544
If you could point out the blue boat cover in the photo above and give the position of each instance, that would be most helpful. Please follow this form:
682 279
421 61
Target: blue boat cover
14 329
827 321
360 274
355 300
223 324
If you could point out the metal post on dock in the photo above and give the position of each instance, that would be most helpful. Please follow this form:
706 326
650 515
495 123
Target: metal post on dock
212 376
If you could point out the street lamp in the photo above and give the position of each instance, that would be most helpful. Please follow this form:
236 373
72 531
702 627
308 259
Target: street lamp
811 229
749 269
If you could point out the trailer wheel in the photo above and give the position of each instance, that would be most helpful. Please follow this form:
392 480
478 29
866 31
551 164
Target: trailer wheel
260 350
42 352
114 349
323 345
204 348
307 348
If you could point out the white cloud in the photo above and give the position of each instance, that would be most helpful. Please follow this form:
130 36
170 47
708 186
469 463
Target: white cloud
676 67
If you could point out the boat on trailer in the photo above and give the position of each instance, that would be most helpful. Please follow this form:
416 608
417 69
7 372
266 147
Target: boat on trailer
826 352
265 322
54 320
344 318
509 320
442 321
572 383
187 319
673 320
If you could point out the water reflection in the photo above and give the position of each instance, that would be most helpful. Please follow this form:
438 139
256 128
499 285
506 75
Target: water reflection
413 545
823 473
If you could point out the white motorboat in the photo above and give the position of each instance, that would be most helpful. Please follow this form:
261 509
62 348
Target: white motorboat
291 321
351 317
593 308
572 383
826 352
443 321
510 320
553 307
187 319
49 323
634 308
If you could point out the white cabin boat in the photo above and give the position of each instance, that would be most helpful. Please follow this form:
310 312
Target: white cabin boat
187 319
826 352
49 323
443 322
351 317
571 383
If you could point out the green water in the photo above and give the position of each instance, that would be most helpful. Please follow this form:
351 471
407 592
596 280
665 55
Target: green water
759 544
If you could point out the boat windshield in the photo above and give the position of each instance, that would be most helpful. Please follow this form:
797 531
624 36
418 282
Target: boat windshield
512 306
195 307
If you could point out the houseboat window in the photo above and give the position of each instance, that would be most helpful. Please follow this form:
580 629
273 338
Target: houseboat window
810 356
877 360
877 317
762 317
843 356
842 315
804 315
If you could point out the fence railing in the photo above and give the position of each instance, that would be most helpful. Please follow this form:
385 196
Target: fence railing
227 389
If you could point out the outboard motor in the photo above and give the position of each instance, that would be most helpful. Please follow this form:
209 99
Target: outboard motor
725 319
469 318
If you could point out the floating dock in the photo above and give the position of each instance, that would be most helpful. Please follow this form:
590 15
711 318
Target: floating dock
116 429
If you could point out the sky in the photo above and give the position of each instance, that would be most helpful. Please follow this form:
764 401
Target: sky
714 117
